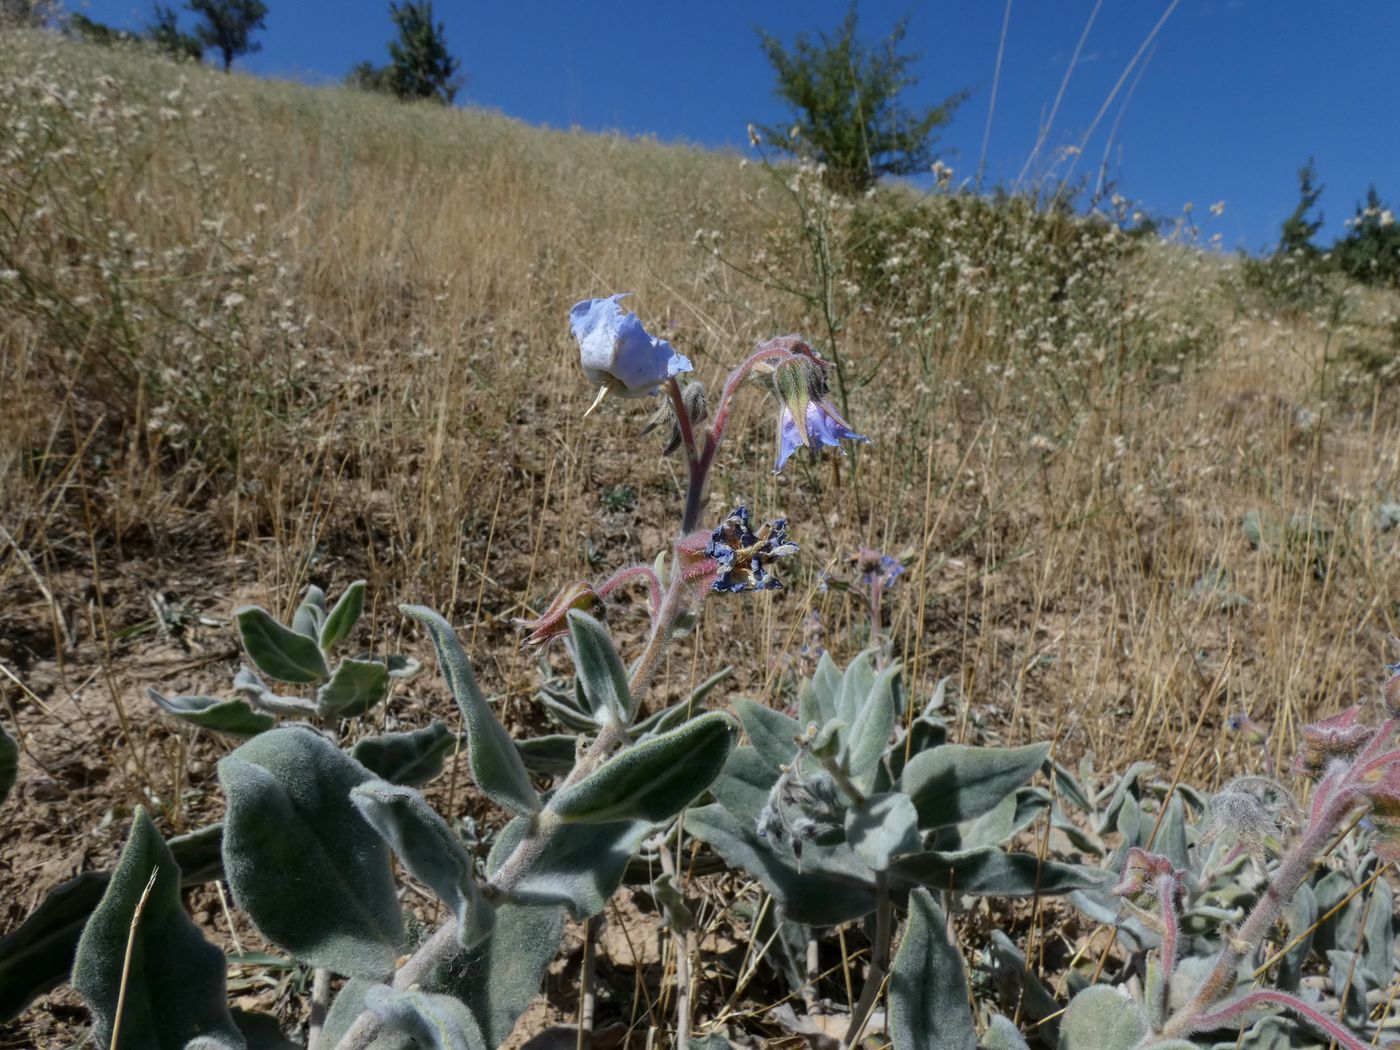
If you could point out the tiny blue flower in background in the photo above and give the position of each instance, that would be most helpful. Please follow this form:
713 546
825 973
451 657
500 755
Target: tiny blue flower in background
743 555
876 566
824 426
619 354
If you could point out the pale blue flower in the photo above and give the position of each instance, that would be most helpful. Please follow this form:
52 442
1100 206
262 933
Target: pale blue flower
619 354
824 427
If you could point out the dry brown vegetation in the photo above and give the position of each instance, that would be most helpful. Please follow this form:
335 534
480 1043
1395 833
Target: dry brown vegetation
254 335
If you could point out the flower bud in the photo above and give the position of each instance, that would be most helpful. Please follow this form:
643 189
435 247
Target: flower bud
1385 814
1138 880
1333 739
553 623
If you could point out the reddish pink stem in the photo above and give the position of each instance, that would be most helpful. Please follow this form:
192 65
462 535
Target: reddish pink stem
1272 996
633 572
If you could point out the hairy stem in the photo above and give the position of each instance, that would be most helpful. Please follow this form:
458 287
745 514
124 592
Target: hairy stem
879 960
1274 997
680 947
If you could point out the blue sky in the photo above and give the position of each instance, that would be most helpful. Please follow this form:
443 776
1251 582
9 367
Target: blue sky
1234 97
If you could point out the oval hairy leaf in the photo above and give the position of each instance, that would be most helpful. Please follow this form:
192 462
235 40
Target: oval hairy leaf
175 987
578 866
413 758
991 872
495 764
653 780
279 651
1102 1018
871 723
233 717
882 827
311 613
428 849
354 688
341 620
433 1022
928 988
314 877
955 782
772 733
600 670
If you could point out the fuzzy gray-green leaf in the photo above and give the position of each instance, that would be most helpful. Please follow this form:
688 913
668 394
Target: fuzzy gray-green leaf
600 670
1001 1034
412 758
495 764
578 866
433 1022
355 688
314 877
653 780
1102 1018
234 717
9 763
175 989
955 782
928 988
430 852
279 651
830 885
871 724
882 827
341 620
991 872
772 733
311 613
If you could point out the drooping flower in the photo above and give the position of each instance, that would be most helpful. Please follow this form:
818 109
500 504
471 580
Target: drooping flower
742 556
821 425
809 418
619 354
553 622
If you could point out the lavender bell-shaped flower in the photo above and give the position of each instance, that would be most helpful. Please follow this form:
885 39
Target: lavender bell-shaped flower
617 353
808 418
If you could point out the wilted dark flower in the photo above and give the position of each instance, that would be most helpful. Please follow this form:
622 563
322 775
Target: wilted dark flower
1333 739
801 808
1253 732
743 555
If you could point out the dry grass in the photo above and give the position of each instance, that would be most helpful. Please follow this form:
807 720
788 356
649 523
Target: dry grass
253 334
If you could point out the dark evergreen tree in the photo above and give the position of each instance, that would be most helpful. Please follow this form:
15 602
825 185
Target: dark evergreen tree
164 31
845 97
1300 228
1370 251
420 66
228 26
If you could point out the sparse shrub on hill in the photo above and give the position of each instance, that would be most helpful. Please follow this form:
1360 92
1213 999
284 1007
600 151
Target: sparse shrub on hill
420 65
228 26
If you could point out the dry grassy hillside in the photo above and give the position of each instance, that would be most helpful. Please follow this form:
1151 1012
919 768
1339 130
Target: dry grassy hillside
255 335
